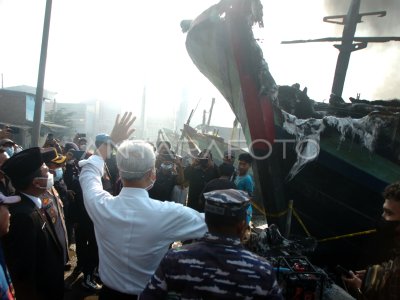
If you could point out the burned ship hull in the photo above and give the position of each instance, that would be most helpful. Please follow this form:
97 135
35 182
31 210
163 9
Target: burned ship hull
328 164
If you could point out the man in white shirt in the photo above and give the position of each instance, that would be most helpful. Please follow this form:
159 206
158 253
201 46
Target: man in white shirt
133 231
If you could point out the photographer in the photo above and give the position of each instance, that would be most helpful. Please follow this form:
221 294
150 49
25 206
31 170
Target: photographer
80 141
51 142
198 174
168 174
85 240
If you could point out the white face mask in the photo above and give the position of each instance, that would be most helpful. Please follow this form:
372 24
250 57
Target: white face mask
59 174
50 181
147 188
153 172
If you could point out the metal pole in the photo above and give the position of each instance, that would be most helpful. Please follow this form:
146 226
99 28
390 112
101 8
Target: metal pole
40 83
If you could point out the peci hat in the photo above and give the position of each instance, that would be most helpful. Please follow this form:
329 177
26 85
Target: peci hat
229 203
26 162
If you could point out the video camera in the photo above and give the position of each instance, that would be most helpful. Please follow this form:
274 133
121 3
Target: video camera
81 135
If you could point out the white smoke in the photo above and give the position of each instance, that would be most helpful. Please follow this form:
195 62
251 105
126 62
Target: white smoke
379 60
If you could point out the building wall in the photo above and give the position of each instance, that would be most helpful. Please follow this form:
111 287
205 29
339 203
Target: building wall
13 107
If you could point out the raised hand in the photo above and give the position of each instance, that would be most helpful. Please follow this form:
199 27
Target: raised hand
122 128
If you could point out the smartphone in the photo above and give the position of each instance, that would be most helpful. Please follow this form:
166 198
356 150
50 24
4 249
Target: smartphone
79 154
342 271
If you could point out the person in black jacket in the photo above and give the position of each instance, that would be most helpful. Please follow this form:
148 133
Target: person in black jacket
197 175
226 171
32 251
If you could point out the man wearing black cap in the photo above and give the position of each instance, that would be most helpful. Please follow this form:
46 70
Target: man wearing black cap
32 250
218 266
85 240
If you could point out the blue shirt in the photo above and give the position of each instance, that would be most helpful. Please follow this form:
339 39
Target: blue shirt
215 267
245 183
6 288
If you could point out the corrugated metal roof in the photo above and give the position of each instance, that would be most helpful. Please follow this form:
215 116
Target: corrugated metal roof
31 90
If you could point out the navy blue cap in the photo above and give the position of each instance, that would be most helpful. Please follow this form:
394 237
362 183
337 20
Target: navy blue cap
226 202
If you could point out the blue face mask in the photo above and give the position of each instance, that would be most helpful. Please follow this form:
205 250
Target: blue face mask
58 174
9 151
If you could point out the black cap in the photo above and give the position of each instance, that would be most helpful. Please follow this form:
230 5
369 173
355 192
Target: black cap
24 163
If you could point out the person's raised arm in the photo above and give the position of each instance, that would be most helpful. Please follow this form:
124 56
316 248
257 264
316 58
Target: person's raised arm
122 131
92 169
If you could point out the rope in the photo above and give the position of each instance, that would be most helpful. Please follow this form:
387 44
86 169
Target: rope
255 205
276 215
296 215
348 235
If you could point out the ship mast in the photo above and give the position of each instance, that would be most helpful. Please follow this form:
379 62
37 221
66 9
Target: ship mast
349 43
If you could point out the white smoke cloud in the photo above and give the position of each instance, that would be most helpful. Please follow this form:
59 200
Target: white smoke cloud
378 61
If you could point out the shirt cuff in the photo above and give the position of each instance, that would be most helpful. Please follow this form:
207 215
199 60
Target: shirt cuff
94 160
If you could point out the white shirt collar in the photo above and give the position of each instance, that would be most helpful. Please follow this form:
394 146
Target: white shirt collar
35 200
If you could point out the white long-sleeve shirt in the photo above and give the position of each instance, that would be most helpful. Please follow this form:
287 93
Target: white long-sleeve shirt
133 231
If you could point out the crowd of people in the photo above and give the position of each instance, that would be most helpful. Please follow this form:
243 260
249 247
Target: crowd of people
118 205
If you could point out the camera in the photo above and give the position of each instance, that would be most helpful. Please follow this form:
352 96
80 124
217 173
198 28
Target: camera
79 155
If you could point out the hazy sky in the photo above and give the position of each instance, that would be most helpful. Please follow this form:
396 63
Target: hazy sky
110 50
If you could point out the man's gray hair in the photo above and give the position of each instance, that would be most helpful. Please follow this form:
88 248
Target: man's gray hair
135 159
